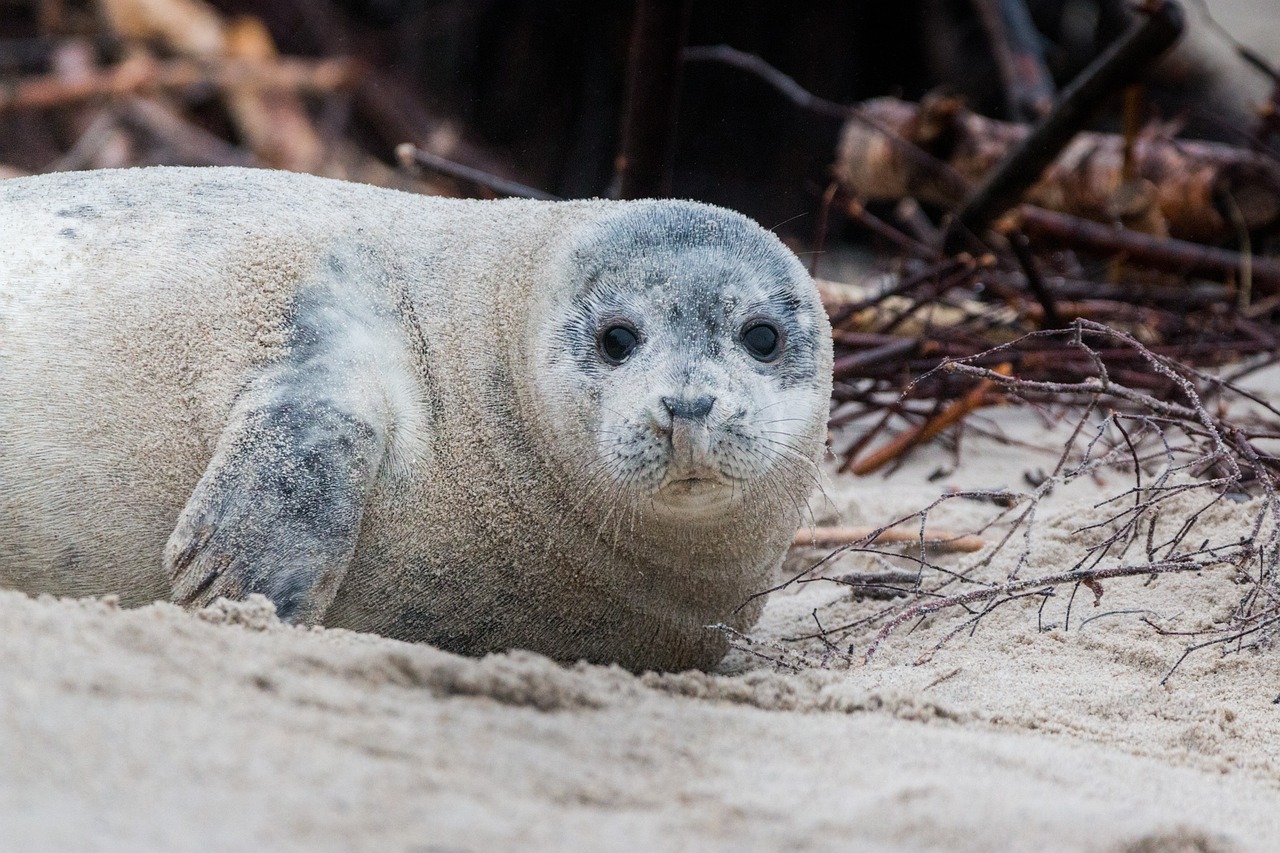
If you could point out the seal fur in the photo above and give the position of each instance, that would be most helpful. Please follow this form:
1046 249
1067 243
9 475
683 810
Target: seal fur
390 413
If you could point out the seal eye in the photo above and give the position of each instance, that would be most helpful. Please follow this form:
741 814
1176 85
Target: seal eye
762 340
617 343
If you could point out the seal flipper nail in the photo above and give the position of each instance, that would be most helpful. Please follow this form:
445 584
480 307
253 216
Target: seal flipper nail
278 510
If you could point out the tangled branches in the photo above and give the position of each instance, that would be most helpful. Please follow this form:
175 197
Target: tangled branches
1197 447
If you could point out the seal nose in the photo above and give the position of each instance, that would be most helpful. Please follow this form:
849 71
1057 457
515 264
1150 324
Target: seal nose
691 410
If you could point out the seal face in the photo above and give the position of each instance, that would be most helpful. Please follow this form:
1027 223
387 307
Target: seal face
687 359
581 428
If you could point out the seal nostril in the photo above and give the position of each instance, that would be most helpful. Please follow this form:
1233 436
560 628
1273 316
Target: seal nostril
693 410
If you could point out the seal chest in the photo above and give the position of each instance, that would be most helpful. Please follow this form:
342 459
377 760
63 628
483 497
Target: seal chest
582 428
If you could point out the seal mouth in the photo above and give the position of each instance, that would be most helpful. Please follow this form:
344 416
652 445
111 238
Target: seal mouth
693 484
695 492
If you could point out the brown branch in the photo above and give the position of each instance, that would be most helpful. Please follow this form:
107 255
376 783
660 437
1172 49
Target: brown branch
952 414
893 350
801 97
140 75
1176 256
938 540
858 212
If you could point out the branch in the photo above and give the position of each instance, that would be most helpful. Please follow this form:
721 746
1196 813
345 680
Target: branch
1175 256
410 156
140 75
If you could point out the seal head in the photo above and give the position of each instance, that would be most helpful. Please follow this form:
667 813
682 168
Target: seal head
692 358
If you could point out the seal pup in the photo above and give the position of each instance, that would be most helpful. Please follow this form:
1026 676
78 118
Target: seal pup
582 428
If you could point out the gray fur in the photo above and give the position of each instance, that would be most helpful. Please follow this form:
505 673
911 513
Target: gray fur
389 412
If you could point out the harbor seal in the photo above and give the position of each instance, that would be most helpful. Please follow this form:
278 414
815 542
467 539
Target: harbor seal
582 428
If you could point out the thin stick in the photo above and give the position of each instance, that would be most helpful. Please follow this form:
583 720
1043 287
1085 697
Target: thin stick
937 540
411 155
955 412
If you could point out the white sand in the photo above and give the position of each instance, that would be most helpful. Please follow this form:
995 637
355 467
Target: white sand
155 729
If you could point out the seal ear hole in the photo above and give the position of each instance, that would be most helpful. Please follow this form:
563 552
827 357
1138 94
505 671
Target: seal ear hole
762 339
617 341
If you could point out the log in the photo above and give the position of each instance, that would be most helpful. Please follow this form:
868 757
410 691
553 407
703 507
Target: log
1058 230
188 27
1192 178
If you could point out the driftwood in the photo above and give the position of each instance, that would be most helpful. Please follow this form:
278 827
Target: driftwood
189 27
1175 256
143 75
1192 180
274 124
936 540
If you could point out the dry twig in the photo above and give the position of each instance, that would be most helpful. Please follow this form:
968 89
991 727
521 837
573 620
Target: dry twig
1178 452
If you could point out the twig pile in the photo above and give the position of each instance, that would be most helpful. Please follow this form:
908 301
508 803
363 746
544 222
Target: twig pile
890 344
1175 444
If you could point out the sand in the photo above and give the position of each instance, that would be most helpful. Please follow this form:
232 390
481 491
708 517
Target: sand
158 729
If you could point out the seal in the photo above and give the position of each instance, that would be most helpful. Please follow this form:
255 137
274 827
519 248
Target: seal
582 428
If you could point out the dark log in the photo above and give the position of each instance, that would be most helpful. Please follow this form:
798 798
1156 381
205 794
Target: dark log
1176 256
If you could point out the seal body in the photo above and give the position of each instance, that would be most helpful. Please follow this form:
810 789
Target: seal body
582 428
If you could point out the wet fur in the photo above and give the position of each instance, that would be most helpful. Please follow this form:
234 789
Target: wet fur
385 412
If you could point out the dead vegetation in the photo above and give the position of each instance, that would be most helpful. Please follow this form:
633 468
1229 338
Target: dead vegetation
1200 443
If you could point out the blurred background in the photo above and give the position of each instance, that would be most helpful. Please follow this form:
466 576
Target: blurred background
537 91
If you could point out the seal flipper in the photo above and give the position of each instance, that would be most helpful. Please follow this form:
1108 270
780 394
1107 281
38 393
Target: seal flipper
278 509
